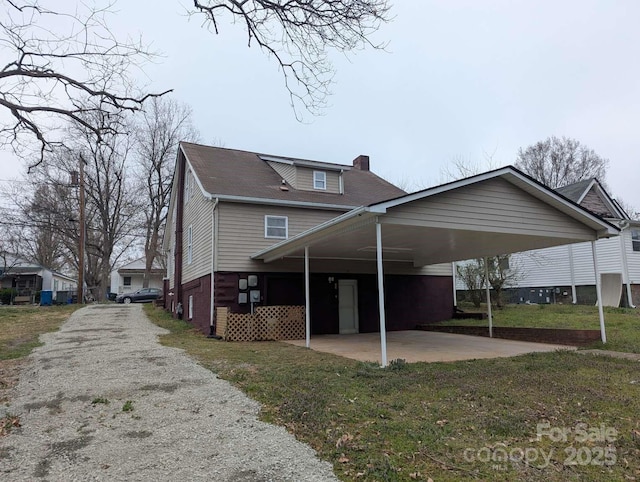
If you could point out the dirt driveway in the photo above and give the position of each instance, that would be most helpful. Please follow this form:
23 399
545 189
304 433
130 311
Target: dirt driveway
103 400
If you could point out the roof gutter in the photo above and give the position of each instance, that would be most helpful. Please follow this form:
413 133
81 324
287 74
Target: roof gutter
279 202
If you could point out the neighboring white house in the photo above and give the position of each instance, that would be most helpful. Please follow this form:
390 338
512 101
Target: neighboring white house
130 277
28 279
566 273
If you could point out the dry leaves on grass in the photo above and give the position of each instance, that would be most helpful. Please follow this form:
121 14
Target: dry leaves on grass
344 440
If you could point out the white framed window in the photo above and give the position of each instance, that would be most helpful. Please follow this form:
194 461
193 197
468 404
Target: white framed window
190 312
190 244
635 239
276 227
320 180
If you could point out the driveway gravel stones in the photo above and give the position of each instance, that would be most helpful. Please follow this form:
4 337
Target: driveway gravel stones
103 400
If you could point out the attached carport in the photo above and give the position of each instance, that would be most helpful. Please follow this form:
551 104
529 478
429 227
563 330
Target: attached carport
498 212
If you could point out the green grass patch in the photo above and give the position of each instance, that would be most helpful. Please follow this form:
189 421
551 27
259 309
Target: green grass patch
99 400
622 324
128 406
468 420
20 327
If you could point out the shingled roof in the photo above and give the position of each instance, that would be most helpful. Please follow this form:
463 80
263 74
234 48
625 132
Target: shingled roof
231 172
576 190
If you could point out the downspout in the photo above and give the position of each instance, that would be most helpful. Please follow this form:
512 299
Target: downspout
624 224
212 326
341 181
574 296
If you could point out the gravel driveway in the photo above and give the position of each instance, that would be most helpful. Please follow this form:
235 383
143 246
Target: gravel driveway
103 400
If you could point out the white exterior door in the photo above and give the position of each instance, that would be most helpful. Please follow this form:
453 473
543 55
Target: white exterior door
348 305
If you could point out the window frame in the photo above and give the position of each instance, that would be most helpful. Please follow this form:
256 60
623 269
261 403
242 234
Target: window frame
124 281
635 240
190 244
269 217
320 180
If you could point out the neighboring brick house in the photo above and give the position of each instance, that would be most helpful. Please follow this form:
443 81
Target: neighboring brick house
247 229
566 273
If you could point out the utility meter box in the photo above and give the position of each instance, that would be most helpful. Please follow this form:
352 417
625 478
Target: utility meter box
254 296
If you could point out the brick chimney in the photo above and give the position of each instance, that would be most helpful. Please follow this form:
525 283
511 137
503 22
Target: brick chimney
361 162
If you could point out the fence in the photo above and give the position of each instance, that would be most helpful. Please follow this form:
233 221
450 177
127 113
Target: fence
267 323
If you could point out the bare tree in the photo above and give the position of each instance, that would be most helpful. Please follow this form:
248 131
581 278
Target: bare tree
472 275
557 162
66 65
299 33
162 125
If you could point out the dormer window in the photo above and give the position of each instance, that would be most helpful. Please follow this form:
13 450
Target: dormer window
320 180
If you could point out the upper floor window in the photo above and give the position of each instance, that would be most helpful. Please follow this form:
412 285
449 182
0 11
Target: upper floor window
320 180
276 227
635 239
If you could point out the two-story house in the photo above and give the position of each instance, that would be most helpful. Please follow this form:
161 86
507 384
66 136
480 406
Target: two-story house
246 229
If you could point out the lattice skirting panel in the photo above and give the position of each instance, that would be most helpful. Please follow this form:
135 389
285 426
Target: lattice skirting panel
267 323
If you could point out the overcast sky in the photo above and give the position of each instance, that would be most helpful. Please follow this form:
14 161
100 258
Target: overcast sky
460 79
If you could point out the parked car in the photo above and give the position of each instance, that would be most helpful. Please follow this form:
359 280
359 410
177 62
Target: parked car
145 294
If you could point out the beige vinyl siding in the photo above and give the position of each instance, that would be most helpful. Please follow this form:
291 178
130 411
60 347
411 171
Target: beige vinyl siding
197 213
286 171
495 205
304 180
241 232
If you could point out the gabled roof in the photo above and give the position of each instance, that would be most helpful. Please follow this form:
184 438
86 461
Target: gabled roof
579 191
139 265
234 175
576 191
423 240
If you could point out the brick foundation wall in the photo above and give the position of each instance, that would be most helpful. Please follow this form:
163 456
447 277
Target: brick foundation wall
200 291
539 335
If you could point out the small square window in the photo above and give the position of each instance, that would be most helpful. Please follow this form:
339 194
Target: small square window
635 239
127 280
276 227
320 180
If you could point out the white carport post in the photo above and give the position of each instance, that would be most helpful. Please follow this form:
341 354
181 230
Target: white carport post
383 321
603 334
487 284
453 276
307 303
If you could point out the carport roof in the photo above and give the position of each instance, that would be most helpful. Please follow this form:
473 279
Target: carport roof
498 212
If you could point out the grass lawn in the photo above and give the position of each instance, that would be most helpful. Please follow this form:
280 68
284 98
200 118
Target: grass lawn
20 327
471 420
622 324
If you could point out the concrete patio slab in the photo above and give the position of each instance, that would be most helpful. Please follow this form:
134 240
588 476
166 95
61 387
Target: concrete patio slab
425 346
